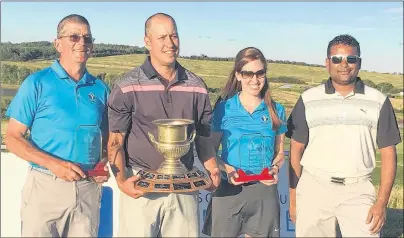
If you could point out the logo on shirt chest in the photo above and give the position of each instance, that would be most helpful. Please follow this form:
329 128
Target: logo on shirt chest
91 96
264 118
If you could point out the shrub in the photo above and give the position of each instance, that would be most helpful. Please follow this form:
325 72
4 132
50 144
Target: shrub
286 79
5 102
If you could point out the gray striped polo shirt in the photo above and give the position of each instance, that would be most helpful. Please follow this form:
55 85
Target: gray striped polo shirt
341 133
142 96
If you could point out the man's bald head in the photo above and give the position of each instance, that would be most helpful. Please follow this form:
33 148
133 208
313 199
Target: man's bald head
160 16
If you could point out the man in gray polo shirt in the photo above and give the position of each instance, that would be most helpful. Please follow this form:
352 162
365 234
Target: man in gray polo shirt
159 89
334 130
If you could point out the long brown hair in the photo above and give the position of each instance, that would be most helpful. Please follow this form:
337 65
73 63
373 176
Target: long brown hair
233 86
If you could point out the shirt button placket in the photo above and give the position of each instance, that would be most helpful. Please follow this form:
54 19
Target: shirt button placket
77 96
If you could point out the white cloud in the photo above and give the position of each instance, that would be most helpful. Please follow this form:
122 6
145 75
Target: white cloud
363 29
397 18
340 28
365 18
301 27
394 10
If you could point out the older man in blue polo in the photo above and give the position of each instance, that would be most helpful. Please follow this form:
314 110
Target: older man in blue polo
64 108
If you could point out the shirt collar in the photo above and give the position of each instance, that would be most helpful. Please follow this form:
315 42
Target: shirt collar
62 74
260 107
151 72
359 86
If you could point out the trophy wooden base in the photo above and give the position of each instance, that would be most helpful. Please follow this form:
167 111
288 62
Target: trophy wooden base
97 171
152 181
243 177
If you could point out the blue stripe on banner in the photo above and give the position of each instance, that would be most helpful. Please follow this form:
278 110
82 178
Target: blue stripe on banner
105 228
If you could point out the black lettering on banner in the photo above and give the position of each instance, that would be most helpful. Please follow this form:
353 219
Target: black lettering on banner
290 226
199 198
208 197
284 200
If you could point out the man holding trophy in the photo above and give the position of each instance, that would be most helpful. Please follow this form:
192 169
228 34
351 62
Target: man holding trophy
64 108
156 113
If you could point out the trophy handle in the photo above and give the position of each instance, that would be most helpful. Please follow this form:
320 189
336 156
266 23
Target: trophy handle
153 140
192 136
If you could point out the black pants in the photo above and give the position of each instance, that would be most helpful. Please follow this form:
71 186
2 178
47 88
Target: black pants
251 209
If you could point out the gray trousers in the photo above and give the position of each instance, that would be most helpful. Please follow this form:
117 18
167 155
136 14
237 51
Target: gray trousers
52 207
158 214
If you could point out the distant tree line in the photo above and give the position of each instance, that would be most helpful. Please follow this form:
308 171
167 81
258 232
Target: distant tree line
205 57
384 87
44 50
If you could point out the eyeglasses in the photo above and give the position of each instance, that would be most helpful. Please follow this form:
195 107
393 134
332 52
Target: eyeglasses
250 74
350 59
88 39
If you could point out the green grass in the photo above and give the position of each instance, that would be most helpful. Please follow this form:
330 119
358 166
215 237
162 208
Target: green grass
3 127
9 86
215 73
399 174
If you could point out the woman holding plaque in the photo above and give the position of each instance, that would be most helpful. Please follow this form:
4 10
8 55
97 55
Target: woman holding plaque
250 127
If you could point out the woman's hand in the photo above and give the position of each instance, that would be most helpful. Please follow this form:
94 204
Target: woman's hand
232 175
274 171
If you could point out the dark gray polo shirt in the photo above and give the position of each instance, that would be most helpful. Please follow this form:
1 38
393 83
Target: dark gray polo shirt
341 133
142 96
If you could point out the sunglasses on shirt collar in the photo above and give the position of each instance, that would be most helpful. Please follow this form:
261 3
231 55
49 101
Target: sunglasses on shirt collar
350 59
88 39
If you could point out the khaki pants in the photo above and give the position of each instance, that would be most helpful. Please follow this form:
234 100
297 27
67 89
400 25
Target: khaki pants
51 207
159 214
320 203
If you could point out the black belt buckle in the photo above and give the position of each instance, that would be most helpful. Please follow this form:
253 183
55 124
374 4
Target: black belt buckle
338 180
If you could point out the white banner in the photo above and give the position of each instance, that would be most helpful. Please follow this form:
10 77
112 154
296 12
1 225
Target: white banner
14 172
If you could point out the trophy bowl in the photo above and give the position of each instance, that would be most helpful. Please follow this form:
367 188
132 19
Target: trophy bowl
172 164
172 176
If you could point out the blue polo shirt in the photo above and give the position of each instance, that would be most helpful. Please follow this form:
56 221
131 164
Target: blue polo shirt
65 118
248 141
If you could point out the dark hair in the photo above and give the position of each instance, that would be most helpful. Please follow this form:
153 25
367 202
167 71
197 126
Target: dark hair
147 24
233 86
344 40
71 18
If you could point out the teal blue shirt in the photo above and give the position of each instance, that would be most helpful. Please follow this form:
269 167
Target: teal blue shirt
65 118
248 140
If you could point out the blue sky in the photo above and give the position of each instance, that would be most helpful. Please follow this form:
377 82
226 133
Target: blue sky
283 31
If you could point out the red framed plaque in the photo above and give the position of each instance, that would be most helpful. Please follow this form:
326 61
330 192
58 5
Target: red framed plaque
98 170
243 177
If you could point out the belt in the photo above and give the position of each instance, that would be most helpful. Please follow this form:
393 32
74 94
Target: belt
339 180
42 170
48 172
